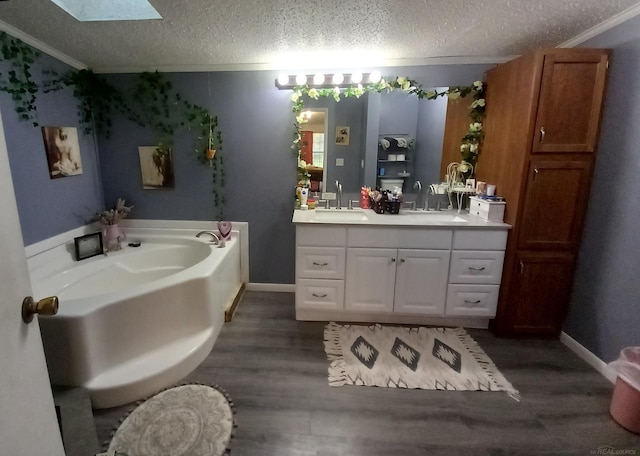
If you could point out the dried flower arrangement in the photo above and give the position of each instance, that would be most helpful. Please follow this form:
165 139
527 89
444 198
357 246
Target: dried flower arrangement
113 216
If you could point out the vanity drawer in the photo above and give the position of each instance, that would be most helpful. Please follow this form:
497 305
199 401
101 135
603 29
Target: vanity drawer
320 262
472 300
400 238
476 266
330 236
318 294
479 239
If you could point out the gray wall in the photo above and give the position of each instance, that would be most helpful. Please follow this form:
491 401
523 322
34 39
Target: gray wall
605 305
49 206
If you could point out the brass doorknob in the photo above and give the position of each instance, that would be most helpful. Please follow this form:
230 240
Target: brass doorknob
46 306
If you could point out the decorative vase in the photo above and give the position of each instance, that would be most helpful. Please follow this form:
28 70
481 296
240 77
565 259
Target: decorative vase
224 230
112 237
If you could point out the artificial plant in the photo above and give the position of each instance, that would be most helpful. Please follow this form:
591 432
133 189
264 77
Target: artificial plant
18 82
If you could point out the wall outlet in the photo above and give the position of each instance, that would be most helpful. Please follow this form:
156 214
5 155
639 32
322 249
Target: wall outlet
328 196
339 161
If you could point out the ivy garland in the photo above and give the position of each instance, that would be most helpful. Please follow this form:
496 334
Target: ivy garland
18 82
470 143
98 100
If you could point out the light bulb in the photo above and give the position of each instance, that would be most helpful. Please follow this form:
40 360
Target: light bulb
356 77
338 78
318 79
375 76
301 79
283 79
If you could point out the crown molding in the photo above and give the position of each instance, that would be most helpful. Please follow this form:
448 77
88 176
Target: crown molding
31 41
602 27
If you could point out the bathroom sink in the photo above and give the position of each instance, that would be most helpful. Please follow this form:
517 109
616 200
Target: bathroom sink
341 215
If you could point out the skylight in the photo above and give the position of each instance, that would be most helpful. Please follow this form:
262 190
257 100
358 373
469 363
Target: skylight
109 10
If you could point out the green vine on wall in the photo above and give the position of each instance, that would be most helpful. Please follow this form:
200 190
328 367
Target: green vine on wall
469 144
151 103
98 101
18 81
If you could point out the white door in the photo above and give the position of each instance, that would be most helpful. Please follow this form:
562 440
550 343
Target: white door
28 423
371 274
421 281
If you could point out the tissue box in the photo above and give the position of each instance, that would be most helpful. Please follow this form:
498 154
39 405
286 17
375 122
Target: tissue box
490 211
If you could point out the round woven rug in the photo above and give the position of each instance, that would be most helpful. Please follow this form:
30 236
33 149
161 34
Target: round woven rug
194 420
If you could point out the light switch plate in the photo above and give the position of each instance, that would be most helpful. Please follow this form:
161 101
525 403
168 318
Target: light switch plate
339 161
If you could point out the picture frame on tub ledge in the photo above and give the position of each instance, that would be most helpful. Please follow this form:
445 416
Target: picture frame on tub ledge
88 246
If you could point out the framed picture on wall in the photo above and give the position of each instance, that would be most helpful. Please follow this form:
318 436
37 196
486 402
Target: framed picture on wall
156 167
63 151
342 136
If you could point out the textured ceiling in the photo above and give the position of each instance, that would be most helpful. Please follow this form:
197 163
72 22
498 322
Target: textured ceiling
299 34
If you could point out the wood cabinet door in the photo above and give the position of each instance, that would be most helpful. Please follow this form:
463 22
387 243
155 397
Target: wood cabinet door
370 278
554 205
421 281
306 150
539 293
571 93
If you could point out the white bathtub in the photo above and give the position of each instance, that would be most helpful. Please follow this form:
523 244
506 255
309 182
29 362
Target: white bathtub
140 319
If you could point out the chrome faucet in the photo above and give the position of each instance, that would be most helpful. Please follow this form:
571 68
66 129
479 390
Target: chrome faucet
426 200
338 195
215 240
417 185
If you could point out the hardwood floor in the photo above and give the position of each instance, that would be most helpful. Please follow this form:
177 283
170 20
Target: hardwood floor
275 370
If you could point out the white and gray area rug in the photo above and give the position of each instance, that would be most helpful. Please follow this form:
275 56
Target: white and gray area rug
410 357
186 420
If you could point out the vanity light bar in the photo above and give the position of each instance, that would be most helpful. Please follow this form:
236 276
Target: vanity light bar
326 80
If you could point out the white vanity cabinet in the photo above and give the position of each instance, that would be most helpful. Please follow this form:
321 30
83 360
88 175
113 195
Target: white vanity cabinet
366 272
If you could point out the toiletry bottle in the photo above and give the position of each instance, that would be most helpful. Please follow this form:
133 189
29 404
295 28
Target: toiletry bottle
304 194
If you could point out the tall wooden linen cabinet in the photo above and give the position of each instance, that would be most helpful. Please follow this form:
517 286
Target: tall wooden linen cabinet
542 122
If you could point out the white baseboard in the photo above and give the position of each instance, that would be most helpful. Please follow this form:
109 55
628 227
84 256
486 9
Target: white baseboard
587 356
275 287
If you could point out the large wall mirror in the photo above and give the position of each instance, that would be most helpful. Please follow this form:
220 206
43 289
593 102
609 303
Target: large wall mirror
386 138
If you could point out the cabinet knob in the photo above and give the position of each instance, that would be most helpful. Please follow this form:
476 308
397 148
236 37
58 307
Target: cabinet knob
393 260
319 264
402 260
475 268
477 301
319 296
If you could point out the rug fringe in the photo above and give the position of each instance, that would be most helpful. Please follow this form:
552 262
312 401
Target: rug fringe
486 363
333 349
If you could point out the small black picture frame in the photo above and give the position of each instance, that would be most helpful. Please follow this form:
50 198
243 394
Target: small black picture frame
88 246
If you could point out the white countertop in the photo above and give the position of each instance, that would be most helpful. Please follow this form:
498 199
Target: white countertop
367 217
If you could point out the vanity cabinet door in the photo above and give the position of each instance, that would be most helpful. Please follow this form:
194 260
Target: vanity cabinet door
370 279
421 281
